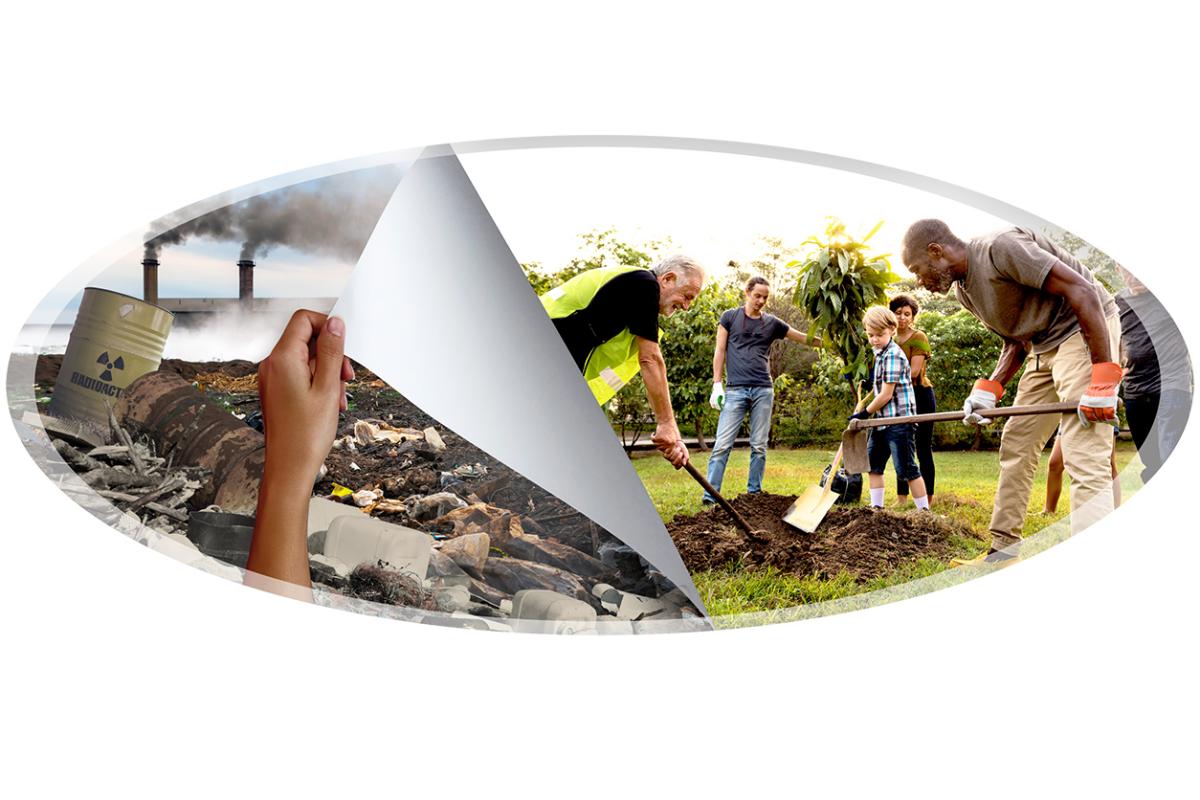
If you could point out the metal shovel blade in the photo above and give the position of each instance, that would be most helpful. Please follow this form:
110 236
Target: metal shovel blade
854 452
811 507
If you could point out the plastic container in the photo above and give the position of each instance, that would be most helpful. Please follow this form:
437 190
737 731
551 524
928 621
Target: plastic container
557 612
356 538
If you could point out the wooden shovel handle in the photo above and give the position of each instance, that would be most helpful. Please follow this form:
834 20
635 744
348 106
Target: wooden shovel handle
695 473
950 416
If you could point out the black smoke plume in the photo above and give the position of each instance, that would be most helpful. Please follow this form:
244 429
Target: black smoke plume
331 216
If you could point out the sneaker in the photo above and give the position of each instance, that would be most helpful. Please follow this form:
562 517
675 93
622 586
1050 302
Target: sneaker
706 502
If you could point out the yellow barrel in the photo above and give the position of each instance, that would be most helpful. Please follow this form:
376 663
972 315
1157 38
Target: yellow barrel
116 339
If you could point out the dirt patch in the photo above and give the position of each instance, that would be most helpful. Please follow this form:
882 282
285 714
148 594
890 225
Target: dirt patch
864 542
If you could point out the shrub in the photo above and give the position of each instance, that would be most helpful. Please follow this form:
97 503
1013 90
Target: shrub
811 408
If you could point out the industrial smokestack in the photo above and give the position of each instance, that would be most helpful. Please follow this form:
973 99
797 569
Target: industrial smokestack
150 280
334 215
246 281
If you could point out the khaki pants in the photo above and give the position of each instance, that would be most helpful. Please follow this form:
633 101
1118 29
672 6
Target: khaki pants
1062 374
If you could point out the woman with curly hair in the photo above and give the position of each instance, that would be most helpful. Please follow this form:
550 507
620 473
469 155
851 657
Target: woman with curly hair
915 345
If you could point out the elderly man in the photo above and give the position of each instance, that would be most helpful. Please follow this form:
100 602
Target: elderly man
608 318
1063 326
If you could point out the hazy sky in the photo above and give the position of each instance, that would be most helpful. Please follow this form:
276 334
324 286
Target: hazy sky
204 268
714 206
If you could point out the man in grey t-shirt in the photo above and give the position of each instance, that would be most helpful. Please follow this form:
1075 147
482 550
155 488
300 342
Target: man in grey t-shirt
1059 323
742 382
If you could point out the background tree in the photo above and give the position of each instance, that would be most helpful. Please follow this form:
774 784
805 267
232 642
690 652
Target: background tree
687 347
597 248
630 414
1101 264
945 304
839 280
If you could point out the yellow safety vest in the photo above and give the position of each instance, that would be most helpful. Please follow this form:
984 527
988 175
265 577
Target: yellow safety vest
613 363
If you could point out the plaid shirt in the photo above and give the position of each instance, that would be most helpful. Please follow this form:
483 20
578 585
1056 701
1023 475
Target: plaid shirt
892 367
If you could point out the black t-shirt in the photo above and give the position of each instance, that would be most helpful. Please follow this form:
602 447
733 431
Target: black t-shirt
746 350
626 301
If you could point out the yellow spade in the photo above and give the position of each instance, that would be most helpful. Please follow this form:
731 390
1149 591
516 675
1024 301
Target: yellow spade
812 506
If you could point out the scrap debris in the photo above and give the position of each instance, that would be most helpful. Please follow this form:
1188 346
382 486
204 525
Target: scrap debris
494 539
135 479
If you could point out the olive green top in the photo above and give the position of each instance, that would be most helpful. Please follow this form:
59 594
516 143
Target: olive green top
918 345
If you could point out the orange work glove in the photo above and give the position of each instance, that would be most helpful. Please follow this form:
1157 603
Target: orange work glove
1099 402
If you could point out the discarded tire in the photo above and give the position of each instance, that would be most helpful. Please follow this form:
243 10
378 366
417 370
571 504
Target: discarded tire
222 535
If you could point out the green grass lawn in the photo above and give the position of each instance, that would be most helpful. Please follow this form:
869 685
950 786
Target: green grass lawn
966 485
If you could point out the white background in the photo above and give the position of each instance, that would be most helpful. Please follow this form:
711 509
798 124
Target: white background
1071 673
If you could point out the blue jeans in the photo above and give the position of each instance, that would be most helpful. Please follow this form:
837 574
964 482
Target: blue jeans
897 441
739 401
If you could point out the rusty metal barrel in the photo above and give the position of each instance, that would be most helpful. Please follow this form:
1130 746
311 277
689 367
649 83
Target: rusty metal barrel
115 340
192 430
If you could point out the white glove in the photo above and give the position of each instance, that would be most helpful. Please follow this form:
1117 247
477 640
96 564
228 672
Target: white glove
984 395
717 398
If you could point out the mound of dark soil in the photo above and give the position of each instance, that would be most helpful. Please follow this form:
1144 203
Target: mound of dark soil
864 542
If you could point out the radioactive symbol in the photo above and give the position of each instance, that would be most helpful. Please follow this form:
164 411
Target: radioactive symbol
109 366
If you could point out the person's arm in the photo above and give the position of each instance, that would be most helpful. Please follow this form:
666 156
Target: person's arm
918 367
986 392
1012 356
654 374
717 398
1099 400
794 335
882 399
1081 297
719 354
302 387
918 345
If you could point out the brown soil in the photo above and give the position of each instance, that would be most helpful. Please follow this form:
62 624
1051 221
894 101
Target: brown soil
864 542
48 366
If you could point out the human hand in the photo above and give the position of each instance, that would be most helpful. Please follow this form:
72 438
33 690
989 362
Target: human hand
985 394
1099 402
864 414
717 398
668 441
302 387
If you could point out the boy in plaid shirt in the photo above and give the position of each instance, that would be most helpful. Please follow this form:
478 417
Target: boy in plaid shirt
891 381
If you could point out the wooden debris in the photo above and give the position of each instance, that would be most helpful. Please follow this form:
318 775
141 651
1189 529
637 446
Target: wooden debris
511 575
554 554
76 459
166 487
138 466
